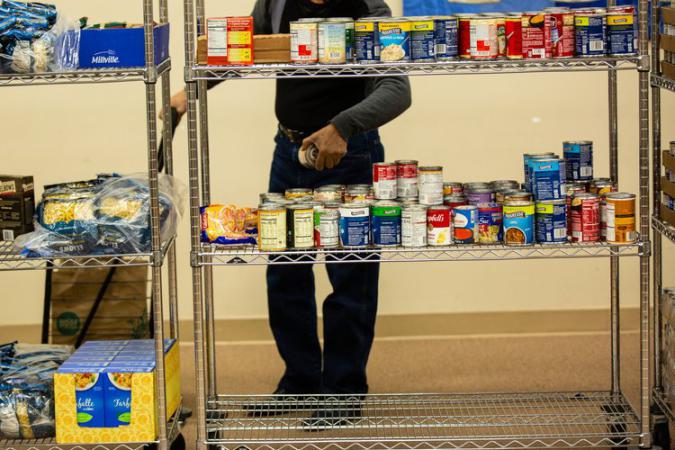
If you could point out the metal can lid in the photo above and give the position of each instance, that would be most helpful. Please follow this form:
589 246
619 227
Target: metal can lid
405 161
444 17
455 197
518 203
431 169
438 207
328 188
619 196
488 205
482 191
394 20
578 142
389 203
585 195
309 20
561 201
414 207
271 207
297 206
465 207
339 19
332 205
385 164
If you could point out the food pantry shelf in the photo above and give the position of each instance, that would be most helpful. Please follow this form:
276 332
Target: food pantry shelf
661 401
412 68
664 228
214 255
428 421
80 76
663 82
10 259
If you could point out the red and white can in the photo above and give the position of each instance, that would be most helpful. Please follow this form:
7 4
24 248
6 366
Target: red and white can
384 181
500 24
464 36
585 217
560 23
513 29
455 200
483 33
406 179
534 35
439 226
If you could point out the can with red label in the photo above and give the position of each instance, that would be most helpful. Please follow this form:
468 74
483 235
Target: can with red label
560 22
585 217
455 200
305 42
406 179
535 36
483 34
464 35
439 226
384 181
513 29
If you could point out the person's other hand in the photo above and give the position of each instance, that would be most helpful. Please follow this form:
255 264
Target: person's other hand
332 147
179 102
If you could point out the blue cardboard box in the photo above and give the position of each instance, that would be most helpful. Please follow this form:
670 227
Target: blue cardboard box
120 47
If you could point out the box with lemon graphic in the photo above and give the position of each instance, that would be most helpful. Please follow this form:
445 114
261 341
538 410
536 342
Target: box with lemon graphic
106 392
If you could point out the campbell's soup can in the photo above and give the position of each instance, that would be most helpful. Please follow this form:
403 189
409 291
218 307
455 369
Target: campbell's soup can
305 42
513 28
465 224
560 22
483 34
464 41
619 215
585 217
414 226
406 179
430 185
439 226
535 35
384 181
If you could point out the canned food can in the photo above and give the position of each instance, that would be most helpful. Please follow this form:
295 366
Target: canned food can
519 222
355 225
328 193
408 201
514 36
517 195
527 157
620 217
384 181
483 33
482 195
571 189
414 226
332 43
366 41
271 228
551 221
422 45
439 225
585 218
500 28
535 36
300 226
452 187
548 178
349 35
561 25
489 223
446 38
406 179
430 184
455 200
357 193
474 185
464 36
304 42
590 30
394 38
327 225
298 193
386 223
621 32
578 160
465 224
504 184
601 186
267 196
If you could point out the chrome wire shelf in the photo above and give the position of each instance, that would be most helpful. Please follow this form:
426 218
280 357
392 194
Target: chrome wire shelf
664 228
11 259
663 82
215 255
424 421
266 71
84 76
662 402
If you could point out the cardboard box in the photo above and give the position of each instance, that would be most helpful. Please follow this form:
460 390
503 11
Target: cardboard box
667 42
121 47
17 205
668 14
202 50
667 215
668 187
230 41
216 29
272 48
116 400
668 70
668 160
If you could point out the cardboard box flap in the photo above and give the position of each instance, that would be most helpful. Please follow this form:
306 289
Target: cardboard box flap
667 42
668 70
668 160
262 42
668 187
668 14
668 215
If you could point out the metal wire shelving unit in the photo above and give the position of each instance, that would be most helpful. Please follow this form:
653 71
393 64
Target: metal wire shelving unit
160 253
417 421
664 418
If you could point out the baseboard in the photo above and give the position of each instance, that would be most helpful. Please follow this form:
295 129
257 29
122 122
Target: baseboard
389 326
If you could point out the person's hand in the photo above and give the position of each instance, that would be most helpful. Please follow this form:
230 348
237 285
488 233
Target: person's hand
179 102
332 147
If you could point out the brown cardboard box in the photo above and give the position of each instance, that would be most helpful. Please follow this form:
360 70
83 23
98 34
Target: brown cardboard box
668 160
272 48
17 204
668 187
668 215
668 70
667 42
668 14
202 50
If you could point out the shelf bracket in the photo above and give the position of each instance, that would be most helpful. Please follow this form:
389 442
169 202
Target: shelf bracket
194 259
188 75
644 64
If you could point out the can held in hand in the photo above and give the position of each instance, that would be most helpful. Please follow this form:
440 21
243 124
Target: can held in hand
519 222
332 43
386 223
489 223
620 214
430 184
465 224
439 226
590 30
414 226
304 42
585 217
271 228
551 221
422 45
366 41
578 160
355 224
384 181
548 178
406 179
300 226
446 38
327 225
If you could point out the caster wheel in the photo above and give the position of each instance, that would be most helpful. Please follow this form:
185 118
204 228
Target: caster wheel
178 443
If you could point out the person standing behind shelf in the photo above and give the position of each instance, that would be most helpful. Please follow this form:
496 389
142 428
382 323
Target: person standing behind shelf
340 116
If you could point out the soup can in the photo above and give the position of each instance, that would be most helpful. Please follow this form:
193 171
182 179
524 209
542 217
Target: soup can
514 36
489 223
327 225
590 30
464 35
430 185
619 211
474 185
585 217
386 223
482 195
272 228
517 195
452 188
270 196
483 34
439 225
578 160
621 32
422 44
328 193
527 157
500 29
300 226
304 42
548 178
355 224
366 41
535 35
519 222
465 224
406 179
414 226
504 184
332 43
384 181
455 200
561 26
299 193
601 186
349 35
357 193
446 38
551 221
394 39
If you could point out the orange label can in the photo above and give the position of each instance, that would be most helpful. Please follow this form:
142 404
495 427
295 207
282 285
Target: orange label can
619 215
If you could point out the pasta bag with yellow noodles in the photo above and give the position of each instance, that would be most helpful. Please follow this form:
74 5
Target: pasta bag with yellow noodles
229 225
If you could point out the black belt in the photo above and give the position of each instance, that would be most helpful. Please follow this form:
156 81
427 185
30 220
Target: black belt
295 136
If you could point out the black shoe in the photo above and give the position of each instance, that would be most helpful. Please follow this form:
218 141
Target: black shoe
335 413
280 402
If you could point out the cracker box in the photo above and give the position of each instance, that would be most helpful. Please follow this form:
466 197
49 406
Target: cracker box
17 205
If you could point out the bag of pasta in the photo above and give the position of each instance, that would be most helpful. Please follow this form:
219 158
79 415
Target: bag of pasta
229 225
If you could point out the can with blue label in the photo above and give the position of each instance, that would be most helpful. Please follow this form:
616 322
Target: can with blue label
446 38
366 41
621 32
590 29
489 223
465 224
519 222
578 160
394 40
548 178
422 46
355 224
551 221
527 157
386 223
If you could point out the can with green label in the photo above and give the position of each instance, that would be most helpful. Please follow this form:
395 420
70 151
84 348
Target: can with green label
386 223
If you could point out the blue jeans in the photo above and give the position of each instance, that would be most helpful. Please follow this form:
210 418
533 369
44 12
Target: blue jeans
348 312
